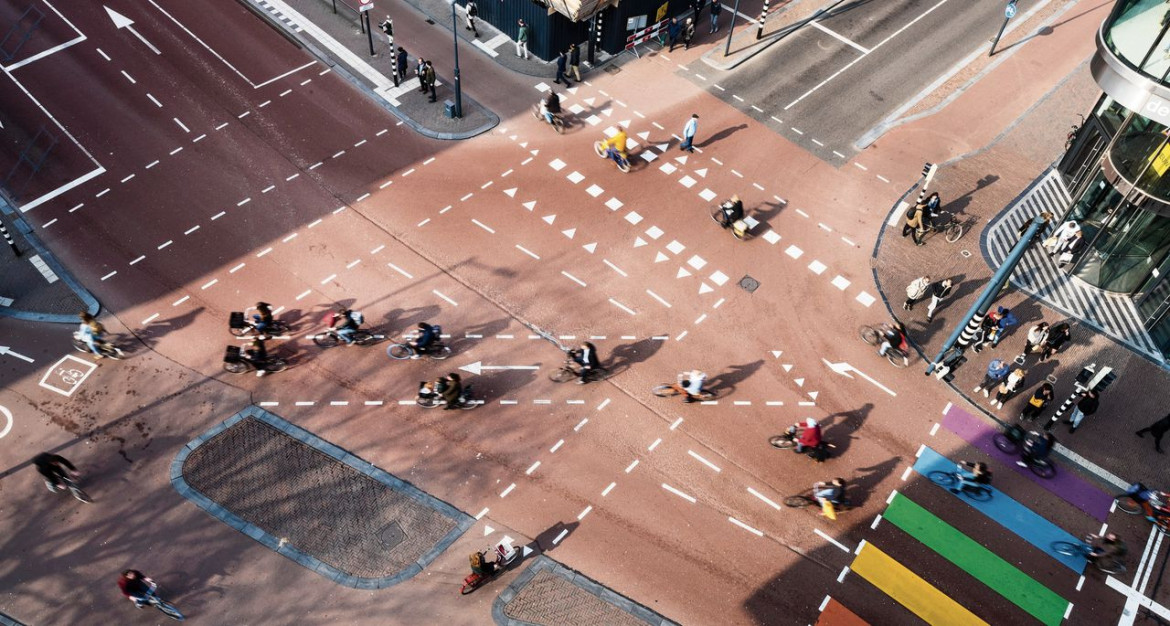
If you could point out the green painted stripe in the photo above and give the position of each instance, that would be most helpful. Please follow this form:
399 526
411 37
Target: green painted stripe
981 563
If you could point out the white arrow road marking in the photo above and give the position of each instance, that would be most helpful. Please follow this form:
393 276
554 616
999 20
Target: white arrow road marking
6 350
478 367
121 21
844 368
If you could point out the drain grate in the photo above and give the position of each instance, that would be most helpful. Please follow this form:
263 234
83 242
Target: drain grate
612 69
392 535
749 284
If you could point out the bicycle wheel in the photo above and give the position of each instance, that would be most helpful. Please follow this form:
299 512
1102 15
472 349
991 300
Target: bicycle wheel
943 479
400 351
1043 469
704 394
471 584
979 493
168 610
111 351
869 335
558 125
562 374
665 390
470 405
427 403
623 165
80 345
326 340
1112 566
365 337
897 358
239 332
1163 525
781 441
797 502
1127 504
717 217
1068 548
598 374
235 367
954 231
1005 444
438 352
275 365
80 494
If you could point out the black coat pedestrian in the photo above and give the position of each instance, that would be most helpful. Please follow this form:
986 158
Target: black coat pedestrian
562 60
402 63
1158 429
574 55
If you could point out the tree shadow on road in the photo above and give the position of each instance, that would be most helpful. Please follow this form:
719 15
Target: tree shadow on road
725 382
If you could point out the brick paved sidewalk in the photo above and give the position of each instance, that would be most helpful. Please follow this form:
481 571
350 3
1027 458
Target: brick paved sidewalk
34 286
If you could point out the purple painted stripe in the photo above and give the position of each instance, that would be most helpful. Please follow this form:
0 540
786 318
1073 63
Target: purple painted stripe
1066 485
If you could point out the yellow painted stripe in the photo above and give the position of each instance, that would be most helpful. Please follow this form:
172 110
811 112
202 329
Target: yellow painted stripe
909 590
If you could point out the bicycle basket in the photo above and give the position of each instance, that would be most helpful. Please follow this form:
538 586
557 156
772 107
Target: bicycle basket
231 354
236 320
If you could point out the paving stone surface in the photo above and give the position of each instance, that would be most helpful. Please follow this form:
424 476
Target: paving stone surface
550 594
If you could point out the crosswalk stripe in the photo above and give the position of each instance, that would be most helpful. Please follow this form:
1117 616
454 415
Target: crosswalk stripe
836 614
910 590
981 563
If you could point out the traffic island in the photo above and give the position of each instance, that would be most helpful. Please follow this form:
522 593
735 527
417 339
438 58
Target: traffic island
314 502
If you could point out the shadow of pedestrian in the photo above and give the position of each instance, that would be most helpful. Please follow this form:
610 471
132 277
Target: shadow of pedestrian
160 328
723 134
839 427
724 383
960 203
766 212
865 479
548 540
399 321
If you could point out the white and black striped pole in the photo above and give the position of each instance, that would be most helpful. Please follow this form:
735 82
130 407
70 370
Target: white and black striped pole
595 42
928 172
763 17
388 28
8 238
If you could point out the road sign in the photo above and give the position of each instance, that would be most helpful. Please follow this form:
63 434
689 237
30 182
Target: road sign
1010 10
366 5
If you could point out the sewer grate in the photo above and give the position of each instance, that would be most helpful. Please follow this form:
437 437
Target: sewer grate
749 284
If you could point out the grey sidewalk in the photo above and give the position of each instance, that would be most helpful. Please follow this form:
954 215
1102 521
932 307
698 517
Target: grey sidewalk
34 286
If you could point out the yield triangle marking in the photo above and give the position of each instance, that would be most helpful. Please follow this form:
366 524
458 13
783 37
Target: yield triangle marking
813 394
799 382
524 144
608 112
661 257
512 137
591 247
511 192
644 135
569 233
487 530
777 353
702 172
639 242
534 152
590 101
549 218
682 159
531 204
572 90
663 146
705 288
787 367
526 551
624 123
682 273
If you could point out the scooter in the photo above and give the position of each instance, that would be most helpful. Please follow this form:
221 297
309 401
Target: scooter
505 553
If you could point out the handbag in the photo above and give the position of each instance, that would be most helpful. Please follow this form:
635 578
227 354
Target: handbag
1050 243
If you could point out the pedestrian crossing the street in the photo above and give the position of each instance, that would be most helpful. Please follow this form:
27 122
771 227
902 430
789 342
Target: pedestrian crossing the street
1038 275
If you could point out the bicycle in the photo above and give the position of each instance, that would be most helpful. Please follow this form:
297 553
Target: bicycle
361 337
242 325
504 553
1011 439
1085 549
437 351
571 370
235 363
977 492
68 482
607 152
898 356
668 390
152 599
106 347
952 228
1139 499
739 228
788 440
432 400
806 499
558 123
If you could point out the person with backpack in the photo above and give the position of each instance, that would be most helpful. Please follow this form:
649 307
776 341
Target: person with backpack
996 371
1058 335
915 291
1035 405
345 323
914 222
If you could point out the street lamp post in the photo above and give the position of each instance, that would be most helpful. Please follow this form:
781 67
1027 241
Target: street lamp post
458 86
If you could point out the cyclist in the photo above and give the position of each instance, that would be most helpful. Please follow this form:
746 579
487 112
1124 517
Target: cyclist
550 105
1036 448
691 384
810 435
586 357
832 491
893 336
137 587
616 144
262 319
451 388
732 211
1107 547
979 474
55 469
257 354
93 334
342 321
427 335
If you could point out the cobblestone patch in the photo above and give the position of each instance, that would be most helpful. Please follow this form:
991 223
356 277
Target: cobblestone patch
313 502
550 594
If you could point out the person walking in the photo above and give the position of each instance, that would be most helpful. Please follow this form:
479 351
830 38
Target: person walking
420 70
1158 429
1070 249
472 12
1035 340
689 131
914 221
916 291
431 82
1009 387
401 63
522 40
939 291
996 371
1057 336
562 62
575 61
716 9
1035 405
1087 406
673 30
698 5
688 33
1062 235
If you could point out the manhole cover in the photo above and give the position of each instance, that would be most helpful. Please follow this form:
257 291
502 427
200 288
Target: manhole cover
612 69
749 284
392 535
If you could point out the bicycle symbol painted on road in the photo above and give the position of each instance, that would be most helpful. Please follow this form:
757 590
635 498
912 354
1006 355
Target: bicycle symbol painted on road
66 375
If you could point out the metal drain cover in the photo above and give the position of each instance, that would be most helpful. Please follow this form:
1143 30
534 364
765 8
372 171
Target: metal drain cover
749 284
392 535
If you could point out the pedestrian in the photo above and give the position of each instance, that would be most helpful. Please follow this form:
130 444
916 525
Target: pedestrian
1158 429
1062 235
688 33
400 64
420 70
939 291
916 291
575 61
562 61
996 371
689 131
698 5
1009 387
673 30
1045 217
1070 249
716 9
1057 336
1086 407
914 221
522 40
431 81
1006 320
1035 340
472 12
1035 406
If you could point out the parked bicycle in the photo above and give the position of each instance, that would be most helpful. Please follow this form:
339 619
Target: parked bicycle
605 152
558 123
1011 440
106 347
571 370
950 227
1104 562
234 362
950 480
897 355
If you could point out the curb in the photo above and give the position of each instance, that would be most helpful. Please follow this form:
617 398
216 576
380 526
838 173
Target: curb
91 303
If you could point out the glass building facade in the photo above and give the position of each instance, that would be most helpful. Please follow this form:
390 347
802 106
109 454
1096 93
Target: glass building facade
1118 164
